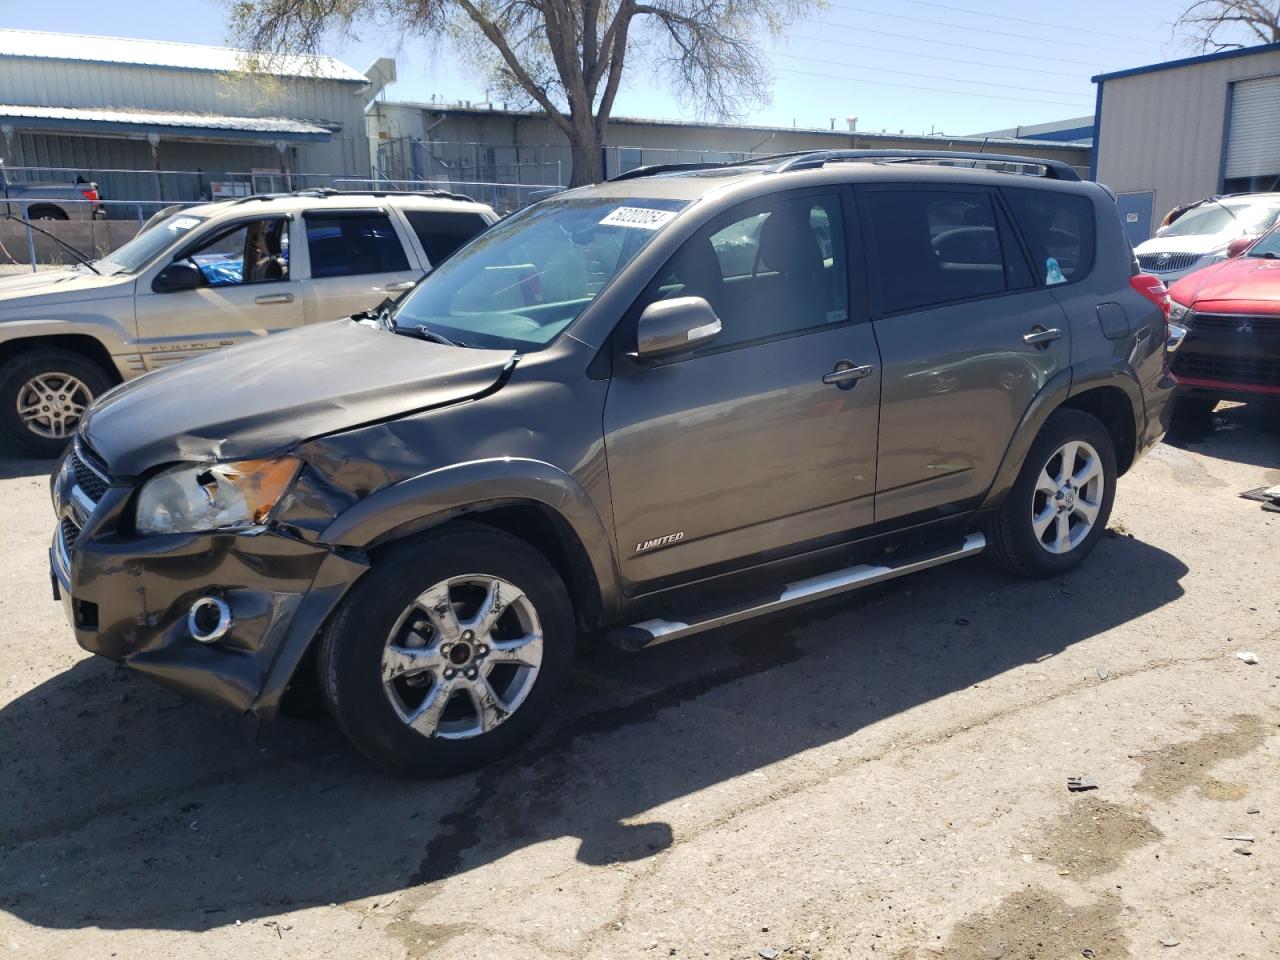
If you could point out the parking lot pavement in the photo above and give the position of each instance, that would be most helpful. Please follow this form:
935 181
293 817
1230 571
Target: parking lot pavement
883 776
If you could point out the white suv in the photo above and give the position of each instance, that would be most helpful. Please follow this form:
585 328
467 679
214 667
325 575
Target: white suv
1202 235
205 277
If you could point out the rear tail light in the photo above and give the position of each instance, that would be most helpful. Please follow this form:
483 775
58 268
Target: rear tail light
91 195
1153 289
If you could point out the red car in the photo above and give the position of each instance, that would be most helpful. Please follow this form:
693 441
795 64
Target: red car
1231 312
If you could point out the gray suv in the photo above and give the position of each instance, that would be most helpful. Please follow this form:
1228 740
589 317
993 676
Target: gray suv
640 410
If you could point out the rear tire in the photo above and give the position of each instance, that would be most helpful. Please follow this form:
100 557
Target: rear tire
43 395
1056 511
449 653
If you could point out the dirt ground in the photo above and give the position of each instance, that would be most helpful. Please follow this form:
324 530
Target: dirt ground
882 776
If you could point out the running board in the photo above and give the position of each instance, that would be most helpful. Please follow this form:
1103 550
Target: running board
650 633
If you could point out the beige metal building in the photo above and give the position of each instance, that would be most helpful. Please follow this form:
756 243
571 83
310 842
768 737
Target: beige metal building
105 105
424 141
1187 129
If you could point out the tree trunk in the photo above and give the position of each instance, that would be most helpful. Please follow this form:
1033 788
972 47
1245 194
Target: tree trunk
586 151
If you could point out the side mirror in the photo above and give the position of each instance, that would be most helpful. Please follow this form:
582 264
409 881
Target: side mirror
673 326
1238 246
179 275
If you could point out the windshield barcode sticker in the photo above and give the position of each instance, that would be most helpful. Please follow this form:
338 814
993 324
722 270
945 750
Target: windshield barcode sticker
182 223
638 217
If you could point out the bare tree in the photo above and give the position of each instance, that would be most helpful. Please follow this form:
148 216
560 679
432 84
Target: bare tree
564 56
1211 25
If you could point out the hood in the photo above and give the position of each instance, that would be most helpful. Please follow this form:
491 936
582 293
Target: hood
263 397
1195 243
1251 280
64 285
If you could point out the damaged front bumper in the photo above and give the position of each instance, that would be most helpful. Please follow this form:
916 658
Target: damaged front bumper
128 597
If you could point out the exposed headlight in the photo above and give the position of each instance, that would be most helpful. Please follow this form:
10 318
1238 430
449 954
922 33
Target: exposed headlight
196 497
1178 311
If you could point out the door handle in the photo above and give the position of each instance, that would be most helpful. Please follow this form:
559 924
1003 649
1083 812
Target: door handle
275 298
1040 336
397 287
846 374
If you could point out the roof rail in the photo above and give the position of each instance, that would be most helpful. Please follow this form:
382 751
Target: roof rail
654 169
322 192
812 159
1053 169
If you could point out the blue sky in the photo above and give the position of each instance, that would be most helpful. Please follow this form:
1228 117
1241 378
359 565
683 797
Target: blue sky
959 66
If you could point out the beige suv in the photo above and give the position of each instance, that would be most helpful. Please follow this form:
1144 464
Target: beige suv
205 277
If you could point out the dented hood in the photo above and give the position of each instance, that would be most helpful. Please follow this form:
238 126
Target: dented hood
263 397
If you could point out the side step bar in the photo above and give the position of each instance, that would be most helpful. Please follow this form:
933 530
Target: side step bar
649 633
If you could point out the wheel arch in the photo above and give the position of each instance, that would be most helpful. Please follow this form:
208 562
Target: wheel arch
1108 390
529 499
89 347
34 211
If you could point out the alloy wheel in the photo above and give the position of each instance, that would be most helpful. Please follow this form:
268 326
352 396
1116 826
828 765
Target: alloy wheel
463 657
51 404
1068 497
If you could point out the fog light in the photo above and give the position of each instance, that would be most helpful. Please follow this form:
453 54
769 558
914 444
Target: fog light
209 619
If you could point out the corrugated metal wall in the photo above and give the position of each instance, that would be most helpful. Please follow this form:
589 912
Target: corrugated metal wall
1163 131
41 82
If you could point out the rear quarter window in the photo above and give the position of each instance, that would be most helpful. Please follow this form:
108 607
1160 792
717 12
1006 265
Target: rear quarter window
443 232
1059 229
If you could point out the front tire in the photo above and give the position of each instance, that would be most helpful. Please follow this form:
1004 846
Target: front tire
44 392
450 652
1058 507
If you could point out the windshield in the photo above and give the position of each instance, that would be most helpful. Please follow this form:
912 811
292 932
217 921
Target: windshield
520 283
1212 218
1268 246
149 244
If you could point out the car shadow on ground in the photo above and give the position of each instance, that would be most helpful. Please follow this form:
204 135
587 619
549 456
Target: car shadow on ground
1233 432
125 807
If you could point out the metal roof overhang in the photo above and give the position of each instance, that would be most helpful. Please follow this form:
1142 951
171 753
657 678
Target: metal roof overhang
197 126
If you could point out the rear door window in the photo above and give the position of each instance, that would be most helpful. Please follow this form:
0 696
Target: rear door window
937 246
350 244
443 232
1058 227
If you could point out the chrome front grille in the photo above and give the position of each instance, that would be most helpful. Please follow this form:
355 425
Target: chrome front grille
1166 262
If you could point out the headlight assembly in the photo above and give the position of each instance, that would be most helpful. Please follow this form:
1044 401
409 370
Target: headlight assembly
196 497
1178 311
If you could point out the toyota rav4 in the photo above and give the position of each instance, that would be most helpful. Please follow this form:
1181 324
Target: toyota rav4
642 410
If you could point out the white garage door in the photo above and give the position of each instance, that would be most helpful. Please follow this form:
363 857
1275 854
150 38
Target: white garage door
1253 146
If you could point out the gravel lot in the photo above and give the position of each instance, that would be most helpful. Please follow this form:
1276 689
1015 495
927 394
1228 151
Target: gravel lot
883 776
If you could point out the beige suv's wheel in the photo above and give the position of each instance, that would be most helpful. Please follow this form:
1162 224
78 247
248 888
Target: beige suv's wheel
44 394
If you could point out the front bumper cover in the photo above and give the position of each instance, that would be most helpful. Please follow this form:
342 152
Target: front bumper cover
127 597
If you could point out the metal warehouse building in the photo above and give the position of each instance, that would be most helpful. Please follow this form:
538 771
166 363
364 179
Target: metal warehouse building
425 141
81 103
1179 131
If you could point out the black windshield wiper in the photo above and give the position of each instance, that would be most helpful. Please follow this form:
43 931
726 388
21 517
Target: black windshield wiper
58 240
1266 255
426 333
